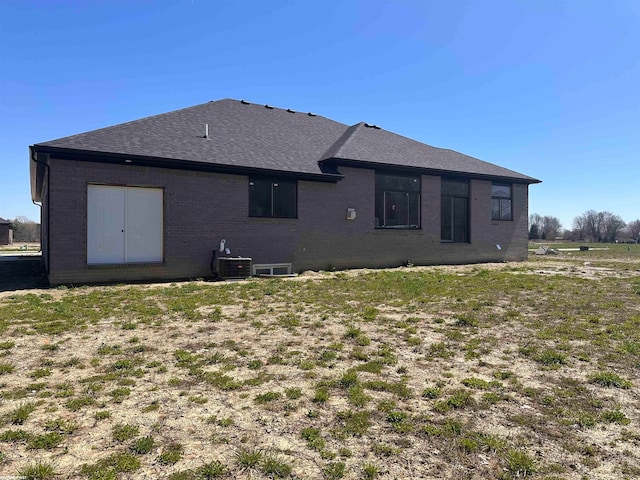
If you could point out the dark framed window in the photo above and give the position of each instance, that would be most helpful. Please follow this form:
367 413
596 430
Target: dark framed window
397 201
454 215
501 203
273 197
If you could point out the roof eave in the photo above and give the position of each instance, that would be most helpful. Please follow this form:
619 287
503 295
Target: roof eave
172 163
36 174
427 171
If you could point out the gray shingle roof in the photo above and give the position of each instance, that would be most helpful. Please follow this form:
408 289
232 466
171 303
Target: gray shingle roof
4 222
243 135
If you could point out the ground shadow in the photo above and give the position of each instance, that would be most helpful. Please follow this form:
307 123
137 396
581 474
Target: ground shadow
22 273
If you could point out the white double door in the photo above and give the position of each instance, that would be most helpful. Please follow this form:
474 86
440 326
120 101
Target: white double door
124 224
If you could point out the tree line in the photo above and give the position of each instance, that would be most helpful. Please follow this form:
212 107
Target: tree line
25 230
591 226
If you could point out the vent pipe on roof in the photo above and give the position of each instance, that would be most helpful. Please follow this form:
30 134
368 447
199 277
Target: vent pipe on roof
206 130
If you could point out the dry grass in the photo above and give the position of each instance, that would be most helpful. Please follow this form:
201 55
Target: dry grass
485 371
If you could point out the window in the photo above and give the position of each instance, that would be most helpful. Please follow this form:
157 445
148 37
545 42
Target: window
272 269
124 224
270 197
455 211
501 206
397 201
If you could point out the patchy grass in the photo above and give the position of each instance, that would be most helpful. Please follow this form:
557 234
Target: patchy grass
525 370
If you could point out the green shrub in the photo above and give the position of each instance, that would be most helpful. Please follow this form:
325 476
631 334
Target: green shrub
245 458
609 379
348 379
267 397
293 393
46 441
122 432
142 445
21 413
109 467
431 392
171 454
321 395
334 470
370 471
212 469
615 416
552 358
37 471
519 463
272 466
313 438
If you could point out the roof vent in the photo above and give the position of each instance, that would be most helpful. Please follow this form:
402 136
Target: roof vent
369 125
269 107
290 111
206 130
244 102
311 114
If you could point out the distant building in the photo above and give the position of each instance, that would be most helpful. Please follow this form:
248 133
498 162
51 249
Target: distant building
6 234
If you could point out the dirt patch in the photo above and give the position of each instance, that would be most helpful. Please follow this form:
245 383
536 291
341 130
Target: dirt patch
456 367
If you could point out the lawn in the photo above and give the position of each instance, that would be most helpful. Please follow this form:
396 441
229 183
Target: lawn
493 371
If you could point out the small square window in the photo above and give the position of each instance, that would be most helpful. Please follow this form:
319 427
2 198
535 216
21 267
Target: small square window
272 197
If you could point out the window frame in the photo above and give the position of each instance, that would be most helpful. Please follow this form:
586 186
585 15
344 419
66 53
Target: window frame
383 193
272 210
501 200
451 198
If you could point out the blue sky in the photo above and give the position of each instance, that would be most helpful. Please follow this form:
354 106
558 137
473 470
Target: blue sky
548 88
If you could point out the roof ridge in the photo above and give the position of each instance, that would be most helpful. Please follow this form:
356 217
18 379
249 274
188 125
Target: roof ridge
341 142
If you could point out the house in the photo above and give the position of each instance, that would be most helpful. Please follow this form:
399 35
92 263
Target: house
152 198
6 234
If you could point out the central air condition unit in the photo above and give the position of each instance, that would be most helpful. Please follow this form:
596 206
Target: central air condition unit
234 267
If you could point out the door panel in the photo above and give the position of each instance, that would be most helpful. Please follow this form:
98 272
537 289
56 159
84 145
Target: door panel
105 224
143 225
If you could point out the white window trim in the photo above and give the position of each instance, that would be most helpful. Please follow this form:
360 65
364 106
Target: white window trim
270 267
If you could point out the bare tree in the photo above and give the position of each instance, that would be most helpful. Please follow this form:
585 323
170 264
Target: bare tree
551 227
590 224
633 230
25 230
535 226
579 228
598 226
612 225
547 227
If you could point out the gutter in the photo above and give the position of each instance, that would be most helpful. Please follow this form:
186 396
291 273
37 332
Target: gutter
172 163
416 170
48 170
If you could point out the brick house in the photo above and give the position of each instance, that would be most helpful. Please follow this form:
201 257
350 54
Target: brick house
6 237
150 199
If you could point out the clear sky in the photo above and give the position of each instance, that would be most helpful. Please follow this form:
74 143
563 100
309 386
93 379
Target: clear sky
548 88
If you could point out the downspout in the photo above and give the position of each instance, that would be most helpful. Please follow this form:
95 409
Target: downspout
48 169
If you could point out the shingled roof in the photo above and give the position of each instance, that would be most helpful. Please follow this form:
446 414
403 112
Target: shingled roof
4 222
250 137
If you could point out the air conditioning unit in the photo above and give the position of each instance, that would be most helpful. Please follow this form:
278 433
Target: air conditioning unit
234 267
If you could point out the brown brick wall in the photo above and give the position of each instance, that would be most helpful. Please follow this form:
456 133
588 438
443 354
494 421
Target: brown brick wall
202 208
